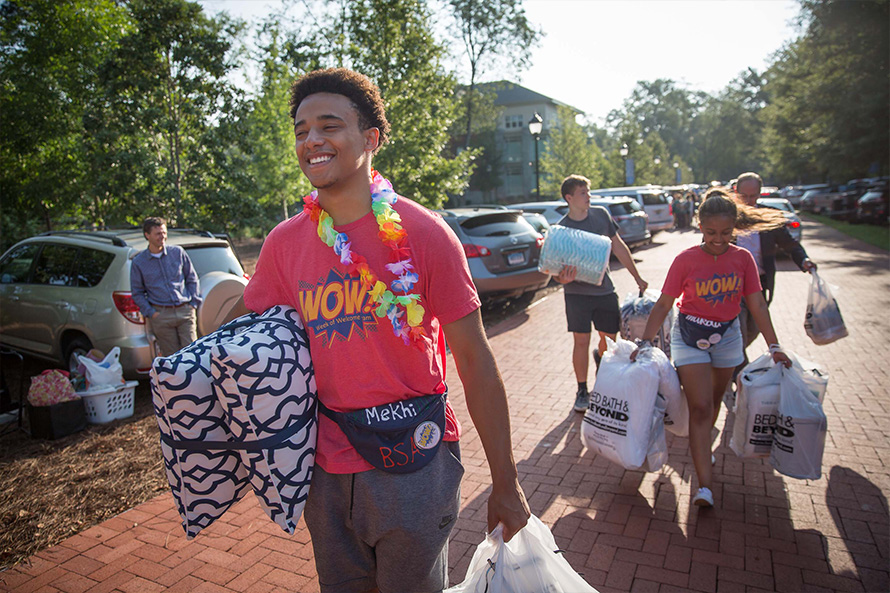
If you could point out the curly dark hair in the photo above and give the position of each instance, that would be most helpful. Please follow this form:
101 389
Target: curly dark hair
358 88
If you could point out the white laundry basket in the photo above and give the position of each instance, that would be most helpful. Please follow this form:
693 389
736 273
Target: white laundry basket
109 402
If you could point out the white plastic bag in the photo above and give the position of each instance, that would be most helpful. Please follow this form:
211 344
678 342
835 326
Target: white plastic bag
635 311
823 322
799 439
107 371
676 413
619 422
530 562
756 408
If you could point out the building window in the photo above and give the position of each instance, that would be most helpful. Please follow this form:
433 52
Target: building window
512 149
513 179
512 121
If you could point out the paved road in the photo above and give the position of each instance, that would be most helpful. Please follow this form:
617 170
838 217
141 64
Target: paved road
623 530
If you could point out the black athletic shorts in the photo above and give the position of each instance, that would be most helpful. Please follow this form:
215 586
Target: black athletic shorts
602 310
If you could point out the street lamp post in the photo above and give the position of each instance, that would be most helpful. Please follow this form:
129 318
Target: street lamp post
623 152
535 127
677 172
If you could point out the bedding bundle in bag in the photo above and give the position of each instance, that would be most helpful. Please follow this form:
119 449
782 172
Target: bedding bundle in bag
635 310
587 252
237 409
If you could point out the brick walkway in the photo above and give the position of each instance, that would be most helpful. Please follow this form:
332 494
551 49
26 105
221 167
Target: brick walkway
623 530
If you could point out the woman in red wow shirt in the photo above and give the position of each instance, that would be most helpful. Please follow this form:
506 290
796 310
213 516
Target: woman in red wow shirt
706 343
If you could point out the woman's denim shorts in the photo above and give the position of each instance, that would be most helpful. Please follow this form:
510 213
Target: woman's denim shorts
726 353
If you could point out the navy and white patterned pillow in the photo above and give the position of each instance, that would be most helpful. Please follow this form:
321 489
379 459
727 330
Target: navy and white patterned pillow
223 429
265 381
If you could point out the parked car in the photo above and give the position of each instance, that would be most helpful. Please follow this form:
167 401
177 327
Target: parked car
873 206
502 249
816 199
793 225
632 221
795 194
538 221
629 216
654 201
552 210
65 292
837 201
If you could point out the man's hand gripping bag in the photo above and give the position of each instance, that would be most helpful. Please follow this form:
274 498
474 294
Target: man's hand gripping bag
237 408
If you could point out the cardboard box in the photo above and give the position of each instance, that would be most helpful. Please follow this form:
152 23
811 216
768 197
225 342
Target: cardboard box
57 421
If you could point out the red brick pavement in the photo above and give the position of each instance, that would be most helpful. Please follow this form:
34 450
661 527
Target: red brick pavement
623 530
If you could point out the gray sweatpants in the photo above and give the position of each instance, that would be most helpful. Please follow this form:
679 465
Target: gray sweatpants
376 529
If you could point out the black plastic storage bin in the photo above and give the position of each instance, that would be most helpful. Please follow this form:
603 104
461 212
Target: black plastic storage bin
56 421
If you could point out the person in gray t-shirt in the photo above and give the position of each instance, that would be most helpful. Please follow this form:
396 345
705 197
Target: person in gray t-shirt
588 303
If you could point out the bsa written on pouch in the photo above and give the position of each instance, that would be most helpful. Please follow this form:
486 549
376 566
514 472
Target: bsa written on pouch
400 437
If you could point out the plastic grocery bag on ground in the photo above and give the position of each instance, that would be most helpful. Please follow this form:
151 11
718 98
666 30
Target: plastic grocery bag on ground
801 426
588 252
623 415
676 413
823 322
107 371
529 562
635 311
756 407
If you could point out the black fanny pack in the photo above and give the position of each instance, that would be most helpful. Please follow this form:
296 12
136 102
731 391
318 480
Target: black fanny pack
398 438
701 333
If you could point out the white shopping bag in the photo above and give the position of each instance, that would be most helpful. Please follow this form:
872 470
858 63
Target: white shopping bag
619 422
801 427
823 323
756 408
107 371
676 413
530 562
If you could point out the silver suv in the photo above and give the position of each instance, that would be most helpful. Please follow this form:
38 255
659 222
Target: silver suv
65 292
652 198
502 250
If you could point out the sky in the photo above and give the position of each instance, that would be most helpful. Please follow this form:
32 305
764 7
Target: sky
595 51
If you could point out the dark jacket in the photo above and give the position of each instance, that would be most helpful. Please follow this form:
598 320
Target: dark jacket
770 243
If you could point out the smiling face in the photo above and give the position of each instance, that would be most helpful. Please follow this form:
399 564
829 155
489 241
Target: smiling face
156 238
332 149
717 233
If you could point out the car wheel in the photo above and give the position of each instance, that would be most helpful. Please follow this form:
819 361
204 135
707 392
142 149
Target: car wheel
80 346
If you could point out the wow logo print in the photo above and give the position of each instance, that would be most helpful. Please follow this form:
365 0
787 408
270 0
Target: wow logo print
337 305
720 288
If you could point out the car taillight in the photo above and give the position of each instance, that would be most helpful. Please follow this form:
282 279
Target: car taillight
246 276
128 307
793 224
476 250
540 242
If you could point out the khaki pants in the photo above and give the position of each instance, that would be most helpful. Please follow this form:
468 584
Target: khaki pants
174 328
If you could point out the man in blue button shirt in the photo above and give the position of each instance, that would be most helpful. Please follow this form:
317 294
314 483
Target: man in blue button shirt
165 287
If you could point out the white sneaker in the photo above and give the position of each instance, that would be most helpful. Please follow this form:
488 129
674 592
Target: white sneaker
703 498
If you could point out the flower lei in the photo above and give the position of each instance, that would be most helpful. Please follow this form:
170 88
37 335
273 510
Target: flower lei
404 311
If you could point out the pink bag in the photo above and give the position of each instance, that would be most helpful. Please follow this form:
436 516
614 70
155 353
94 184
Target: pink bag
51 387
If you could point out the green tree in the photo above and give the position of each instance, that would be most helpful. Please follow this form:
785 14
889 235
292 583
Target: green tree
828 91
487 155
568 151
50 53
165 88
493 33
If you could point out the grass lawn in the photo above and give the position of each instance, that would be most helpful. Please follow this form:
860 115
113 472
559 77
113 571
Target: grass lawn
873 234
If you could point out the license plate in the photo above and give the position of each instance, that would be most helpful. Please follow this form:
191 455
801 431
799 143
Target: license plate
516 258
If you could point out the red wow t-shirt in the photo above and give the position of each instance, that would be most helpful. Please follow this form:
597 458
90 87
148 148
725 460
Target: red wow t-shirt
712 287
358 361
